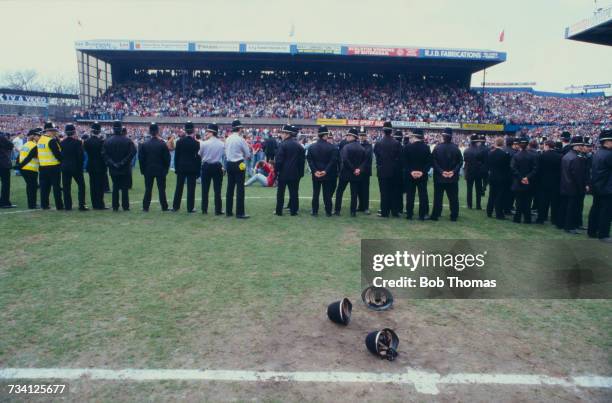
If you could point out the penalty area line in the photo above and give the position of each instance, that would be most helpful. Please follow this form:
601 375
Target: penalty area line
423 381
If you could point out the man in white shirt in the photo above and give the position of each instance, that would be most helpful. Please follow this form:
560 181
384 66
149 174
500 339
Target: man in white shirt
236 153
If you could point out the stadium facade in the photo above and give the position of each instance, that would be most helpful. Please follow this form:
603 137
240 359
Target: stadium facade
102 63
596 29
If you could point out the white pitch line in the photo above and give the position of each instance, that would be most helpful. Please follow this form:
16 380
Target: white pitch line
423 381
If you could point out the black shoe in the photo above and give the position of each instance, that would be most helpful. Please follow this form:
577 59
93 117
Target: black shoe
381 215
424 218
353 214
218 213
293 214
328 215
314 213
8 206
101 208
229 214
433 218
243 217
278 214
66 209
409 217
116 210
175 210
206 212
478 208
83 208
454 219
337 213
396 215
572 231
191 211
145 210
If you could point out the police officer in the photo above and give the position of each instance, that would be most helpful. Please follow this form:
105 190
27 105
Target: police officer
363 204
6 152
187 164
343 181
573 185
498 164
73 159
388 152
289 166
548 187
399 187
565 142
322 159
416 163
474 162
600 215
211 152
28 165
447 161
96 168
484 171
524 168
510 149
270 146
49 158
118 152
236 152
154 161
353 159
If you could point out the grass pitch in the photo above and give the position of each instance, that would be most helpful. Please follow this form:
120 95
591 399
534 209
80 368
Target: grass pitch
178 290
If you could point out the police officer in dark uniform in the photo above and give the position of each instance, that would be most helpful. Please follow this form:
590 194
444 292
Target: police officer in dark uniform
498 164
388 153
289 166
573 185
549 175
484 171
187 164
398 194
565 142
474 162
6 150
447 162
118 152
524 168
270 146
510 149
600 215
363 204
416 163
96 167
72 168
353 159
154 159
322 159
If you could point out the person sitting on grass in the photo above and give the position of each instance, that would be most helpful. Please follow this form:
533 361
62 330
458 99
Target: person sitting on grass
265 174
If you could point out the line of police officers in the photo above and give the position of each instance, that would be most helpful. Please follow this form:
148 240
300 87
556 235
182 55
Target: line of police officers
520 176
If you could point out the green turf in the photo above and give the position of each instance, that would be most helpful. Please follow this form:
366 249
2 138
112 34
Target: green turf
136 285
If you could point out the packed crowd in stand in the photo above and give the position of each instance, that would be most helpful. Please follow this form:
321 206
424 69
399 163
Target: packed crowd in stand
530 179
312 96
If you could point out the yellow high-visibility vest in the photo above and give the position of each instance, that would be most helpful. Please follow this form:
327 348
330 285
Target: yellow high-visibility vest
45 155
23 153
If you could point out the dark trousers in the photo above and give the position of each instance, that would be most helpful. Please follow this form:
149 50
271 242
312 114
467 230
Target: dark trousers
31 180
548 200
50 178
161 189
508 199
212 173
342 184
452 192
398 193
235 182
294 201
355 187
388 196
600 217
497 198
121 184
107 187
363 203
570 211
67 177
581 209
411 189
474 182
5 182
178 192
328 186
523 207
96 189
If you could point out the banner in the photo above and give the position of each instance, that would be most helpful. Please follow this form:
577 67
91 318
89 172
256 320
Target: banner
489 127
268 47
217 47
515 84
596 86
103 45
319 49
368 123
461 54
161 45
331 122
381 51
444 125
23 100
409 125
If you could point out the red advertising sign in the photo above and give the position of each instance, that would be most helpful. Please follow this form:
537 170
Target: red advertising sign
381 51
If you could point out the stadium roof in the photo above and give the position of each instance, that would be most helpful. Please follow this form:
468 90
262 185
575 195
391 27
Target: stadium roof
597 29
149 54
